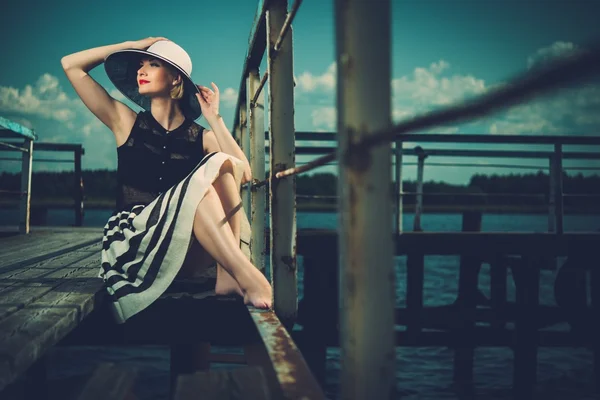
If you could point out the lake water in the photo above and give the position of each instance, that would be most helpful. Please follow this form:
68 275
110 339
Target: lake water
422 373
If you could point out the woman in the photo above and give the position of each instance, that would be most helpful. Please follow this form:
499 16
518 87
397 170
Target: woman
178 183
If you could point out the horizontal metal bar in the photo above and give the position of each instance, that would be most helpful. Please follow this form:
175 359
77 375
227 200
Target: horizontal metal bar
35 160
466 138
13 192
12 147
477 194
286 24
293 375
316 150
45 146
514 166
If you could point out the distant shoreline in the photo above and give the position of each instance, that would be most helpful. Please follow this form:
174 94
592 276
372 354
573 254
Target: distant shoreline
95 204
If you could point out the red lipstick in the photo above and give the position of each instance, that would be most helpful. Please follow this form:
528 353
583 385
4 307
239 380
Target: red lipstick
142 81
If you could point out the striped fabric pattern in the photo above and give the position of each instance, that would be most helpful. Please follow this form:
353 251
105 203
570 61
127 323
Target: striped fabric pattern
144 247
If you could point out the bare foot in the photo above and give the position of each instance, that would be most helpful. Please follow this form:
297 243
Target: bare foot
226 284
257 290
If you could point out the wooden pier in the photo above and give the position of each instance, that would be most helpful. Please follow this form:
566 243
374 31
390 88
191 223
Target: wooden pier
50 295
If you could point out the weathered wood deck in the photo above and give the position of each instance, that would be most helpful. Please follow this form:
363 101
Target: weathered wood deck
50 295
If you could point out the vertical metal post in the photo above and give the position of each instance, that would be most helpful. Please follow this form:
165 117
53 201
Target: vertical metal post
367 294
398 176
558 195
78 188
552 195
282 156
256 133
25 203
419 200
243 139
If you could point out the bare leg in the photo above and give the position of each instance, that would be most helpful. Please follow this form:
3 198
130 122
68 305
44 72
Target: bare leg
218 240
227 191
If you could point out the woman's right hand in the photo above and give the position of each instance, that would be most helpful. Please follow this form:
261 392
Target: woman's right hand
143 44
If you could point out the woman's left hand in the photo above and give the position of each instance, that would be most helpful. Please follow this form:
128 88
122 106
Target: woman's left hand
209 100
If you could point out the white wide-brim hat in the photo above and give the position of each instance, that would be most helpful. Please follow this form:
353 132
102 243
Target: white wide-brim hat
121 67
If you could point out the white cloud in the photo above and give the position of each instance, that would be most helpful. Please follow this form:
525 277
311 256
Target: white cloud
45 99
426 87
555 50
571 111
229 97
324 118
307 82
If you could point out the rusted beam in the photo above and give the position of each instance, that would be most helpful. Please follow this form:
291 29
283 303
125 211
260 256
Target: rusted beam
282 156
366 253
256 129
295 378
470 138
287 24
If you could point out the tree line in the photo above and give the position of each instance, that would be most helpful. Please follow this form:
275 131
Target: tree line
512 189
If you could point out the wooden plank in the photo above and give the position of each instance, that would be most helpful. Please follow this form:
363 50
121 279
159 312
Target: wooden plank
239 383
483 337
452 243
27 334
109 381
28 285
27 249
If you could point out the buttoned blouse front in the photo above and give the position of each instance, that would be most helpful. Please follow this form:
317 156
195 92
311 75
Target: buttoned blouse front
153 159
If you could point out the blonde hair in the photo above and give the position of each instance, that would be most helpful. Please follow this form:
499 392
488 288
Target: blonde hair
177 91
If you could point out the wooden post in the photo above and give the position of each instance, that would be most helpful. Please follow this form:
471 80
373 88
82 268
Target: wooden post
419 203
26 170
526 330
467 302
319 308
244 140
256 133
415 278
558 184
595 310
78 188
498 291
552 195
282 192
367 295
398 189
187 358
35 382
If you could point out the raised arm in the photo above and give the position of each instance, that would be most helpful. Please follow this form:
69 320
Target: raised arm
220 135
115 115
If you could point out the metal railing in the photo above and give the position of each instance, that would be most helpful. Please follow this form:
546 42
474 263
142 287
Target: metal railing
364 127
78 188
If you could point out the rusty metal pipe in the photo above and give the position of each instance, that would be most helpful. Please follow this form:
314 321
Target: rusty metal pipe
259 90
256 131
282 192
366 269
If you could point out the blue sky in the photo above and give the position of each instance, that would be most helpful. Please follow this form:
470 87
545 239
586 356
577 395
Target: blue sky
442 51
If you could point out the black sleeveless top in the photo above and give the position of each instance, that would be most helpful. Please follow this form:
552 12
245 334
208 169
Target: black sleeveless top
152 160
